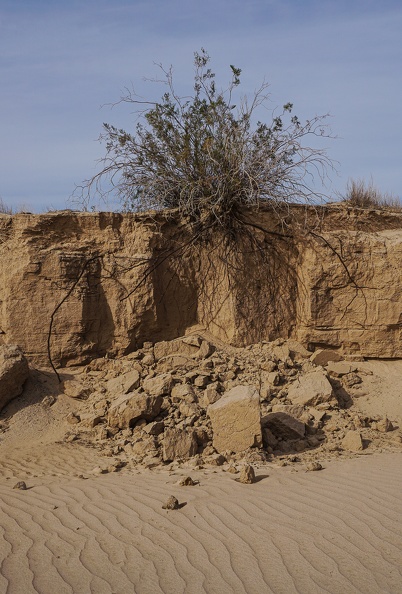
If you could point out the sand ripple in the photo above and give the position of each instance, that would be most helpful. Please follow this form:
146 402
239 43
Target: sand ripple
335 531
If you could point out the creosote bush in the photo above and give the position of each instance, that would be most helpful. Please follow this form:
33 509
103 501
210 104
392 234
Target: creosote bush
208 154
360 194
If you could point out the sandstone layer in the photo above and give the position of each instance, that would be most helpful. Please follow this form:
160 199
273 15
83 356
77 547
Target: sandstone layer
83 285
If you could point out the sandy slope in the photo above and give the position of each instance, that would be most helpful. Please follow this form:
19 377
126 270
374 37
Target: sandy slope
336 531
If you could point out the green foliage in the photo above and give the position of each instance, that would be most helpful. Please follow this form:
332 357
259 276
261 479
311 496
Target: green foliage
209 154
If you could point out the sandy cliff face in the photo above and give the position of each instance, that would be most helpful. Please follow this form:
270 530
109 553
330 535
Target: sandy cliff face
84 285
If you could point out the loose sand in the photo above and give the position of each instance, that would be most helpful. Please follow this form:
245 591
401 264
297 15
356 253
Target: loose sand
338 530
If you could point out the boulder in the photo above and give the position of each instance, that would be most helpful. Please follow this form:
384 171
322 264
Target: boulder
311 389
128 408
324 356
14 371
284 425
235 419
179 443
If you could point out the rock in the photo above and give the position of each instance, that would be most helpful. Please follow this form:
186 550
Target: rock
178 346
14 372
148 360
181 392
284 426
178 443
352 441
351 379
72 418
324 356
269 438
125 383
384 425
187 481
215 460
90 419
299 412
206 349
171 503
48 401
311 389
247 475
210 395
340 368
75 389
160 385
127 409
21 485
202 380
155 428
313 466
297 350
235 419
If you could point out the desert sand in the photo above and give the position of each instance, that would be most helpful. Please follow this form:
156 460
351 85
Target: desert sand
74 530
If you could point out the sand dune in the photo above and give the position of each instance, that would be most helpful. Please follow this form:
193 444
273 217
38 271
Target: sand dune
337 530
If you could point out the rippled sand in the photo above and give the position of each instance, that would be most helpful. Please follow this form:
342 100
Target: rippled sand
337 530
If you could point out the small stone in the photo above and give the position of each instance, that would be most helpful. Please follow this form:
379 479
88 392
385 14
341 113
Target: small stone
72 418
313 467
247 475
232 469
21 485
171 503
48 401
384 425
187 481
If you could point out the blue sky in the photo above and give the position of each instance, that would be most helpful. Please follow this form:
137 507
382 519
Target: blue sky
60 62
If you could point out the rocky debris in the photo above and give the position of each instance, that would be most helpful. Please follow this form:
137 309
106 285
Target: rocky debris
247 475
283 425
171 503
353 441
21 485
14 372
233 406
324 356
236 421
311 389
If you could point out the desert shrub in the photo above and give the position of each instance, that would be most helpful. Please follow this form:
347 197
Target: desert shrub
208 154
360 194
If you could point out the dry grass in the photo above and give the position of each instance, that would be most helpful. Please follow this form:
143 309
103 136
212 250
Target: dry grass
360 194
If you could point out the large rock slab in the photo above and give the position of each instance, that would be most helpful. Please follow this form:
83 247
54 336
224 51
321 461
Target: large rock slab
311 389
14 371
236 420
127 409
